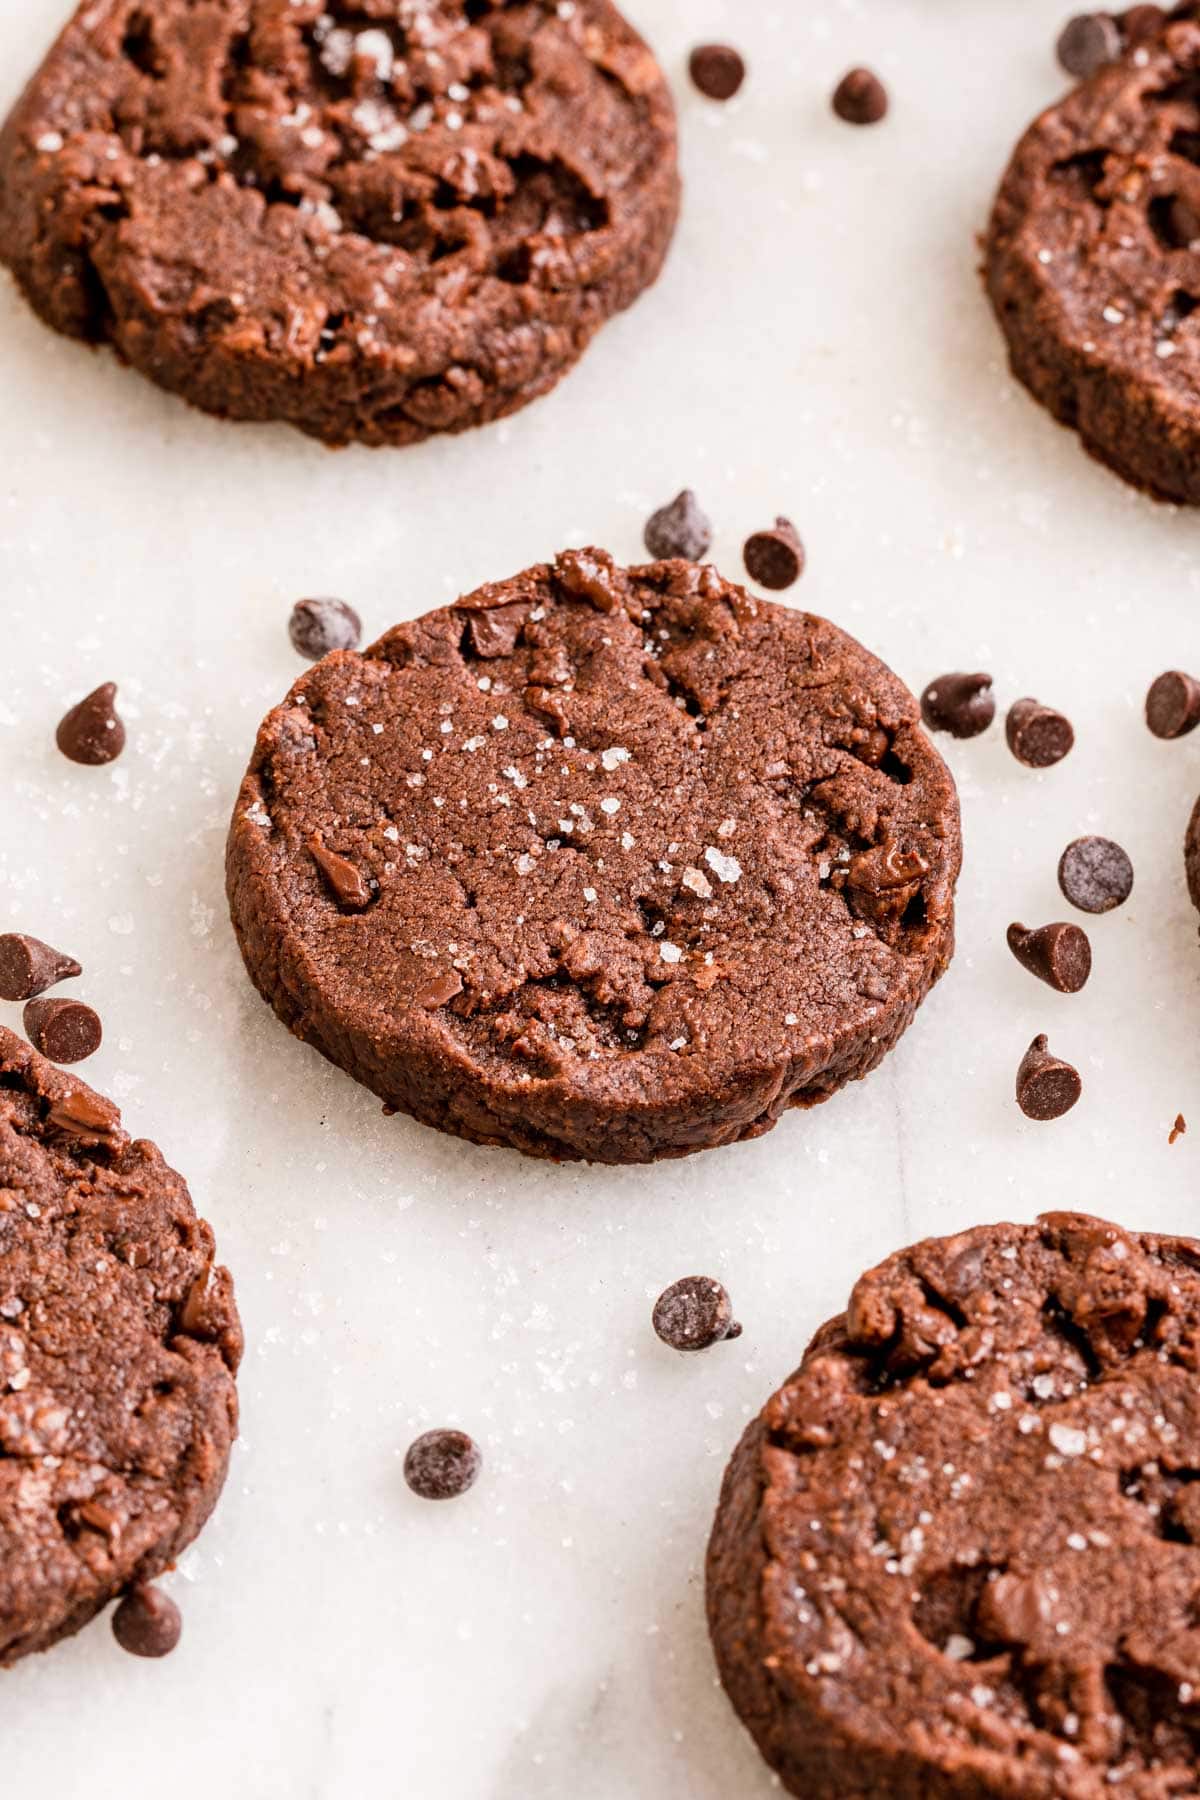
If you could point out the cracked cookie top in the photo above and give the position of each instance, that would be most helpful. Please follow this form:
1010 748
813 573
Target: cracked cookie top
420 208
119 1342
980 1515
626 837
1093 261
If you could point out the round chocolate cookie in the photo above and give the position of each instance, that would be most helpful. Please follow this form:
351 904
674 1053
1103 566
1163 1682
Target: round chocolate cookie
1093 262
956 1556
372 221
1191 856
598 863
119 1341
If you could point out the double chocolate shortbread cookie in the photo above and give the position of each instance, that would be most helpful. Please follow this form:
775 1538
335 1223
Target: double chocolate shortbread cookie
119 1342
600 863
958 1554
1092 262
372 221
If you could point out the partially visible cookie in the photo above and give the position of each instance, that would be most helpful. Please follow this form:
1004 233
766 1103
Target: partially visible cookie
1191 856
371 221
601 863
957 1556
119 1342
1092 262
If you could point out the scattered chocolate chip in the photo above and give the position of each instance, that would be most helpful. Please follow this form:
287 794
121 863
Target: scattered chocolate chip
775 559
65 1031
963 705
147 1622
1095 874
680 529
1177 1129
1087 42
92 732
1138 23
345 881
29 967
318 626
441 1465
1047 1087
718 70
1038 736
694 1314
1173 705
1060 954
860 98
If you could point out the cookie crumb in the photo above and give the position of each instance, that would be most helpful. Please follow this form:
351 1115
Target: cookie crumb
1178 1129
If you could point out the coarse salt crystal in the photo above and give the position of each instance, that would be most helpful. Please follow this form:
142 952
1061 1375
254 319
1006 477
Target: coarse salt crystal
725 868
613 758
1067 1440
670 953
610 805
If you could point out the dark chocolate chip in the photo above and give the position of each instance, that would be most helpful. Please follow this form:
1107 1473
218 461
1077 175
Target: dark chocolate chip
92 732
1173 705
85 1116
1177 1129
64 1030
1087 42
147 1622
694 1314
1138 23
1059 954
1047 1087
441 1465
680 529
1095 874
29 967
1038 736
775 559
345 881
318 626
718 70
963 705
860 98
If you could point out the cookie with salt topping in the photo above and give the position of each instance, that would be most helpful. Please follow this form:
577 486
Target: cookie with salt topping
599 863
957 1555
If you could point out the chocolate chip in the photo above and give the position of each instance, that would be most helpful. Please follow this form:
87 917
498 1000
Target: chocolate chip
963 705
1047 1087
718 70
441 1465
86 1117
1059 954
680 529
1095 874
1177 1129
92 732
1173 705
775 559
147 1622
345 881
1141 22
318 626
860 98
694 1314
29 967
64 1030
1087 42
1038 736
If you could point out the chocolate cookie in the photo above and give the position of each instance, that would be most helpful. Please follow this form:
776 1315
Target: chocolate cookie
598 863
957 1553
119 1341
1191 856
372 221
1093 262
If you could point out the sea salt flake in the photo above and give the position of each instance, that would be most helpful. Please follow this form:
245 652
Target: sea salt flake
959 1648
610 805
1067 1440
613 758
670 953
696 883
725 868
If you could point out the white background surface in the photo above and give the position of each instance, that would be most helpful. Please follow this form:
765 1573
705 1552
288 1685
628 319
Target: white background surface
818 345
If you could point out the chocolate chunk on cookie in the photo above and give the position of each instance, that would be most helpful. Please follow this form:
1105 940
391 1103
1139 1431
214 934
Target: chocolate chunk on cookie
601 863
119 1342
373 222
956 1555
1091 268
